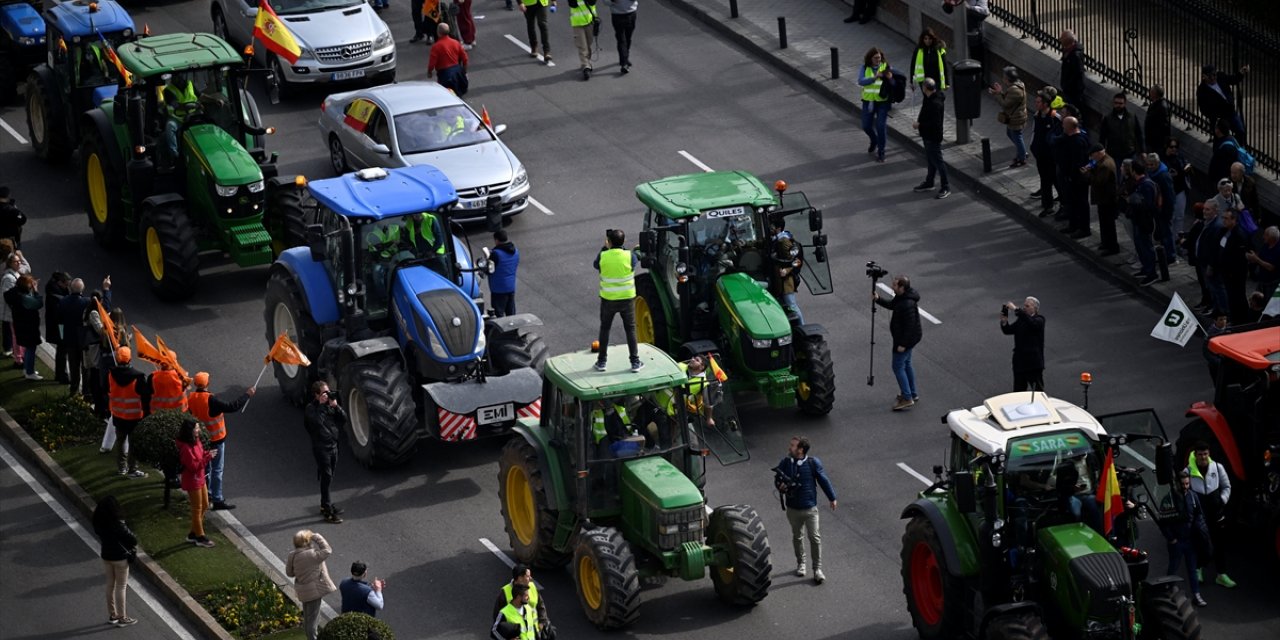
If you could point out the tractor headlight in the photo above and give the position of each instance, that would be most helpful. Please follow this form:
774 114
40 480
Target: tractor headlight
226 192
672 529
27 41
784 341
521 179
433 343
996 539
481 344
257 187
761 344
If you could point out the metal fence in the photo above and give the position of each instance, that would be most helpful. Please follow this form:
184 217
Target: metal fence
1134 44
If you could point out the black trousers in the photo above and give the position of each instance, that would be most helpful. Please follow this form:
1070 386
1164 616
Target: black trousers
124 429
415 8
1032 380
1107 214
535 23
1048 173
75 366
326 463
864 9
610 308
624 24
1076 199
59 362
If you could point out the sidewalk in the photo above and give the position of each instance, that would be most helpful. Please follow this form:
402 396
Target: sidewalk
815 26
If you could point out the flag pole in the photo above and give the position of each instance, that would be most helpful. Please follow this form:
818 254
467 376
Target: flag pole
255 384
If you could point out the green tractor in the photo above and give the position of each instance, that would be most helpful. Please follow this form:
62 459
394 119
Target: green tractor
1009 544
174 162
711 265
622 507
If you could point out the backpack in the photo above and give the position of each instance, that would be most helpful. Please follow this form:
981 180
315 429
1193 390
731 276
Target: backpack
898 91
1243 157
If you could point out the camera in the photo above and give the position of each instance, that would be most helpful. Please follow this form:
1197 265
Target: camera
1004 311
875 271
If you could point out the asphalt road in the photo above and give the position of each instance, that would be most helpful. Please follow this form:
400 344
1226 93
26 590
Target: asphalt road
586 145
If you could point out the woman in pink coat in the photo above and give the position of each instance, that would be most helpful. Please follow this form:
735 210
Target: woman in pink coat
194 458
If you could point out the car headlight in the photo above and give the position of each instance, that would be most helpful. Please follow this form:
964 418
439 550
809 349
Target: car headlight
304 52
521 179
761 344
226 192
383 40
257 187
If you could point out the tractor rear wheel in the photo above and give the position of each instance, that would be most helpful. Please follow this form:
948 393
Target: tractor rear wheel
286 218
381 425
285 313
46 123
933 595
739 530
512 350
1017 626
1168 615
529 520
816 390
169 250
102 190
651 317
608 583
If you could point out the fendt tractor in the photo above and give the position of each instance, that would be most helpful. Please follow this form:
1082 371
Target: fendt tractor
175 162
22 41
1008 544
384 300
76 74
1242 426
709 254
624 503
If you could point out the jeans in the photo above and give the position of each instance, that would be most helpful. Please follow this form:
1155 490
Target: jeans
933 156
214 471
535 17
1184 550
627 309
1164 236
504 304
789 304
802 520
199 499
905 374
1018 147
624 24
117 587
326 463
1179 213
1146 250
874 115
311 618
29 360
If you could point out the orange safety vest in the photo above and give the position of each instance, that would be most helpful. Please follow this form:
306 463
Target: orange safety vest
125 403
198 407
167 391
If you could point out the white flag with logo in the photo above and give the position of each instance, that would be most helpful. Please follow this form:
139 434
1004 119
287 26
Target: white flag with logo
1178 323
1273 307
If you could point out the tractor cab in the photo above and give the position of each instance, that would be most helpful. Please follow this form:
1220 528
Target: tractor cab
79 35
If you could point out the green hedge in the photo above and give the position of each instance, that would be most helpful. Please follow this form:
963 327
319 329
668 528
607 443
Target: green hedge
355 626
62 421
154 441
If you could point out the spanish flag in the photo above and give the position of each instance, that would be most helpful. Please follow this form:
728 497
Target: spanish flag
274 35
716 370
1109 493
359 114
115 60
286 352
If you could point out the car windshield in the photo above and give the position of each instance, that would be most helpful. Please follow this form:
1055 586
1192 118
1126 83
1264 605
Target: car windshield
436 129
287 7
732 225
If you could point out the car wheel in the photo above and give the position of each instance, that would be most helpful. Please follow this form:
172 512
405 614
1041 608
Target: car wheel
277 82
220 25
337 155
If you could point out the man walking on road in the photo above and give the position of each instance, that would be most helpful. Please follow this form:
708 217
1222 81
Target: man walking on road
617 267
324 420
535 22
1210 481
210 411
797 478
586 24
623 15
905 328
522 576
518 614
929 124
502 283
448 62
1027 330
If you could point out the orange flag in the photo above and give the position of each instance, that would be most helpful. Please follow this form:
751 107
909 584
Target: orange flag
108 326
144 349
170 357
1109 493
285 351
716 370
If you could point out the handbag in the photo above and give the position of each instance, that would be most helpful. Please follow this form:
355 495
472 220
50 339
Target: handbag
1002 117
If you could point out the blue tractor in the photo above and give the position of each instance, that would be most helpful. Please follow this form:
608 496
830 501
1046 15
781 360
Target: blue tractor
22 42
385 303
76 75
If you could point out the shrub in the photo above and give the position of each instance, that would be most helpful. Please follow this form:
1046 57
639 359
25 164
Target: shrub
153 441
62 421
252 608
355 626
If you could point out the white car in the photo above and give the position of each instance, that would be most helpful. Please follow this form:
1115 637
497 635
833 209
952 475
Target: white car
341 40
410 123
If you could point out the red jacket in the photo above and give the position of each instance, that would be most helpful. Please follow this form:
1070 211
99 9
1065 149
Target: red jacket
193 458
445 53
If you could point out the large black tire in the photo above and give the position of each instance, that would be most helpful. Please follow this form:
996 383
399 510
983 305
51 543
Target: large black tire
608 583
101 181
1023 625
286 217
46 121
381 425
651 317
739 530
512 350
8 80
933 594
1168 615
169 250
816 391
285 313
529 521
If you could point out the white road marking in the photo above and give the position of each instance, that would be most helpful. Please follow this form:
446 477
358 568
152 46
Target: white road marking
927 316
540 207
264 551
493 548
141 590
696 162
13 132
516 41
915 474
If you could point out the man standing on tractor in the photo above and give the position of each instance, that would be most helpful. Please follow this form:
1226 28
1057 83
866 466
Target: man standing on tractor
1211 483
617 267
521 576
786 260
798 477
1028 343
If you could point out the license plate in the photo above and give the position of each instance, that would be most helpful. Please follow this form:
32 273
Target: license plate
727 212
495 413
348 75
473 204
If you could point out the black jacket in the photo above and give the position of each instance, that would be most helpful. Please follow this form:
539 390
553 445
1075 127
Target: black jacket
1069 154
1028 341
904 326
25 308
1073 77
53 295
1044 129
11 221
324 424
930 118
1214 105
117 540
1158 127
1230 262
71 319
1225 153
1121 135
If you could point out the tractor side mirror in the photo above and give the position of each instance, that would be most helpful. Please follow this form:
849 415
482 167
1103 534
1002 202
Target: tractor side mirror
381 149
962 483
316 242
648 242
1164 463
815 219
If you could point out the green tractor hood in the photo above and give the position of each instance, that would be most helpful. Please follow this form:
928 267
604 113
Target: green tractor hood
1089 574
658 484
751 308
223 158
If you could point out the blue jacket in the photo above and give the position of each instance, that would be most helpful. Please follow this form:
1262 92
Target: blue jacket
1164 182
355 596
805 474
506 257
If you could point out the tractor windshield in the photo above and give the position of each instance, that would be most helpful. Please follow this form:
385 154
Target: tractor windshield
91 65
729 227
1049 481
387 244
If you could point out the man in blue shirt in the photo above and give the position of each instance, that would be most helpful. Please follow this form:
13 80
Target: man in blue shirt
798 477
502 283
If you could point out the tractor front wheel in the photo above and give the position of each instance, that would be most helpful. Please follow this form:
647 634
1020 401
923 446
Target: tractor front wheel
529 520
1017 626
286 314
46 123
512 350
1168 615
651 317
816 390
286 218
933 595
381 425
169 250
608 583
101 180
739 530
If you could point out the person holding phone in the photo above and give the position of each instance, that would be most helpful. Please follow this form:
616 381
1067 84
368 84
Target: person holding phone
323 419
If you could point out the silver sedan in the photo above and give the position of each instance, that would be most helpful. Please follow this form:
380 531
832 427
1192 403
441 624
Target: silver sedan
410 123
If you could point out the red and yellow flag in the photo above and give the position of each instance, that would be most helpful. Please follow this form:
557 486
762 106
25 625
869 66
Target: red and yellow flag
484 116
144 349
1109 493
108 326
359 114
275 36
285 351
716 370
115 60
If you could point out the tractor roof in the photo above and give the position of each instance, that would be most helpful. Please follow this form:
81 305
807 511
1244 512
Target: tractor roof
688 196
403 191
74 20
574 373
172 52
990 427
1258 349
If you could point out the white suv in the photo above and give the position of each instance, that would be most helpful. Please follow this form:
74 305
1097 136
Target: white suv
341 40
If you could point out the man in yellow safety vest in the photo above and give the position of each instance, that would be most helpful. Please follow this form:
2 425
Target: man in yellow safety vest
617 267
586 24
518 614
522 576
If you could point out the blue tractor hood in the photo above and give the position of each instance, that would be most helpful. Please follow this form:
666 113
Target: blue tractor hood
21 20
104 93
434 313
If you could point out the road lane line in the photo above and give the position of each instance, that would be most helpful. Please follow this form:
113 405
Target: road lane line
493 548
141 590
927 316
915 474
696 162
516 41
17 136
265 552
540 207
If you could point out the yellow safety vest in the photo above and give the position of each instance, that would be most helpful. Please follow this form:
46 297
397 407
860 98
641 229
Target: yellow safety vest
533 595
667 397
617 279
582 15
597 425
426 230
532 2
528 622
871 92
693 400
174 96
918 73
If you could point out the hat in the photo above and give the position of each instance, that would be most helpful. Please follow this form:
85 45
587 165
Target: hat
1225 182
124 355
201 379
1208 70
1096 148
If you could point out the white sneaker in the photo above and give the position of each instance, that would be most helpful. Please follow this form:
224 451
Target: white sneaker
34 376
802 571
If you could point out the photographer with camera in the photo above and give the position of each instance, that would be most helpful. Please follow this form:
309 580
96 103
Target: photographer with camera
797 478
324 419
1028 343
905 328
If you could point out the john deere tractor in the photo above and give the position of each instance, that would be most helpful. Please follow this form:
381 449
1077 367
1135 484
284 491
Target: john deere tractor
75 74
22 40
1016 540
711 264
174 162
385 303
608 480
